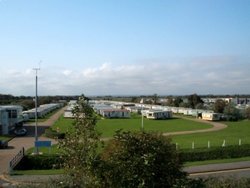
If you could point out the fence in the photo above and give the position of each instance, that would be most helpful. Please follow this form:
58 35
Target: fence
223 144
16 159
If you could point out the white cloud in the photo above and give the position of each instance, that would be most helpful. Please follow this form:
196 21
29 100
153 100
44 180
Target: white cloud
200 75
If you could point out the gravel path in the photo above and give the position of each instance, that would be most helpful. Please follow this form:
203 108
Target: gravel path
216 127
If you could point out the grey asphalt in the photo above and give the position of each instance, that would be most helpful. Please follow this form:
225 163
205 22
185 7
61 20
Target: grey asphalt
231 170
217 167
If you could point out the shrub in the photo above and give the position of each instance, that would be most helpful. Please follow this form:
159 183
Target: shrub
215 153
39 162
140 160
50 133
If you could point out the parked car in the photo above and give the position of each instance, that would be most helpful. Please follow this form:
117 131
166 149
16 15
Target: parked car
20 132
3 144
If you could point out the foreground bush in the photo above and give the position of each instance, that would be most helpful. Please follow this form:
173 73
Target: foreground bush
140 160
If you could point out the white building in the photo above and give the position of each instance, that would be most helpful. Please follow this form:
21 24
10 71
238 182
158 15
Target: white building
10 117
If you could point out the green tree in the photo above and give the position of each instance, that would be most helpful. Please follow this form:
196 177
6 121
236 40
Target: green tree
134 99
170 101
27 104
80 147
141 160
232 112
200 106
247 113
155 98
177 101
193 100
219 106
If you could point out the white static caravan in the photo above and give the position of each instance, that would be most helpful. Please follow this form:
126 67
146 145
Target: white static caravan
210 116
158 114
42 110
115 113
68 112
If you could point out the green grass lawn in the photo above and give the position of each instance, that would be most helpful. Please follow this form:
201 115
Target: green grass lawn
108 126
37 172
64 124
232 134
45 150
219 161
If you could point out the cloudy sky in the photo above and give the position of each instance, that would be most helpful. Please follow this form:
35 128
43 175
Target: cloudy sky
125 47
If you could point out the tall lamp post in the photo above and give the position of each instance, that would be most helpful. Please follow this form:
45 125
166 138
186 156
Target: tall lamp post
36 137
142 126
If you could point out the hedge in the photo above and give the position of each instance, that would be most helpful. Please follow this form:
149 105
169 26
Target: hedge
53 161
215 153
50 133
39 162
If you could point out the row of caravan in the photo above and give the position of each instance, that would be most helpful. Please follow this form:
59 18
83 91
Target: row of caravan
115 109
159 112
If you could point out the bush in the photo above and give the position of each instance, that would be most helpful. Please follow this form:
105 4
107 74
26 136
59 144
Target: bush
215 153
39 162
140 159
50 133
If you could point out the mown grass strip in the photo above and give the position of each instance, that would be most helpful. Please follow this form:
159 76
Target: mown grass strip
38 172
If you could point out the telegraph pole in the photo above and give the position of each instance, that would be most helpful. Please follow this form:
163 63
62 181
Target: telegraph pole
36 137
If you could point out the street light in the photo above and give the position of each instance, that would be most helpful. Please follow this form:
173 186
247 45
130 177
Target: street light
36 137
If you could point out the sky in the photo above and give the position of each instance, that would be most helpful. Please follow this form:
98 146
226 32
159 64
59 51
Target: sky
125 47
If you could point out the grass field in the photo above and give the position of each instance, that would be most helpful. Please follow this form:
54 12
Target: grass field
108 126
219 161
45 150
231 135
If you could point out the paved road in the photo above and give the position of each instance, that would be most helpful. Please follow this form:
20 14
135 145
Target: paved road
236 169
17 143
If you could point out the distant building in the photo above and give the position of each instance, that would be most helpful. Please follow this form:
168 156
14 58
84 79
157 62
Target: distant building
241 101
10 117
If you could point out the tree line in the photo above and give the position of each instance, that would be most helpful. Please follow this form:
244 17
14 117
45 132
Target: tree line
27 102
